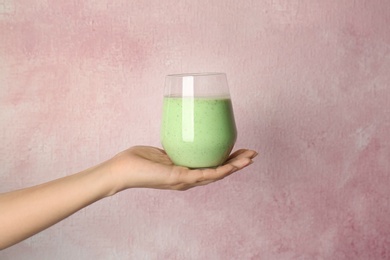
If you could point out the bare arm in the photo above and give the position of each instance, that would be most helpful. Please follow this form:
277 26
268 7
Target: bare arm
26 212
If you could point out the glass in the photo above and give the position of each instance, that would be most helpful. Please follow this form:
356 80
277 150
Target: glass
198 128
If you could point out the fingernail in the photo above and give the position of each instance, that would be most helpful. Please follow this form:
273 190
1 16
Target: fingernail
255 154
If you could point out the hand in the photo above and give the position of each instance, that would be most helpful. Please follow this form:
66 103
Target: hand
150 167
139 166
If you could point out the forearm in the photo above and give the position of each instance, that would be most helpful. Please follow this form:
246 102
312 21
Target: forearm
25 212
28 211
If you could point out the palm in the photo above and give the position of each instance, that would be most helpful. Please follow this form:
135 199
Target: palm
154 169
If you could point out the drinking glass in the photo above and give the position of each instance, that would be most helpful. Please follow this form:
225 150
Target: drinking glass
198 128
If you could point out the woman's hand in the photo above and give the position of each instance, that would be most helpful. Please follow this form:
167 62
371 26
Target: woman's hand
150 167
137 167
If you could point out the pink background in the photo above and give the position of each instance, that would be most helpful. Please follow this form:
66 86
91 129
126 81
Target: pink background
83 80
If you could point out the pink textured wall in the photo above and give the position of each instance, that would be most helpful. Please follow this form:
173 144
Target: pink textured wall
82 80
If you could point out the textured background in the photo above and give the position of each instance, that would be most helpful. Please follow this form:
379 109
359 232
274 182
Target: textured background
83 80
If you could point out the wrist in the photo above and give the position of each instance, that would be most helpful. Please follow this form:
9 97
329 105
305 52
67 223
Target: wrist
103 179
114 175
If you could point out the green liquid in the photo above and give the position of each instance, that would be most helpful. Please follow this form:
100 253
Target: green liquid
198 132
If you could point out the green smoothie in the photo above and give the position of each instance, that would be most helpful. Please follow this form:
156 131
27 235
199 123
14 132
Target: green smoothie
198 132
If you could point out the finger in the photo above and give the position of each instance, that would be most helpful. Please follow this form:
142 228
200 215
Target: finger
207 175
243 154
213 175
241 163
219 173
237 153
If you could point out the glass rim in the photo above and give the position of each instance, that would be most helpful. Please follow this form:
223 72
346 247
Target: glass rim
198 74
